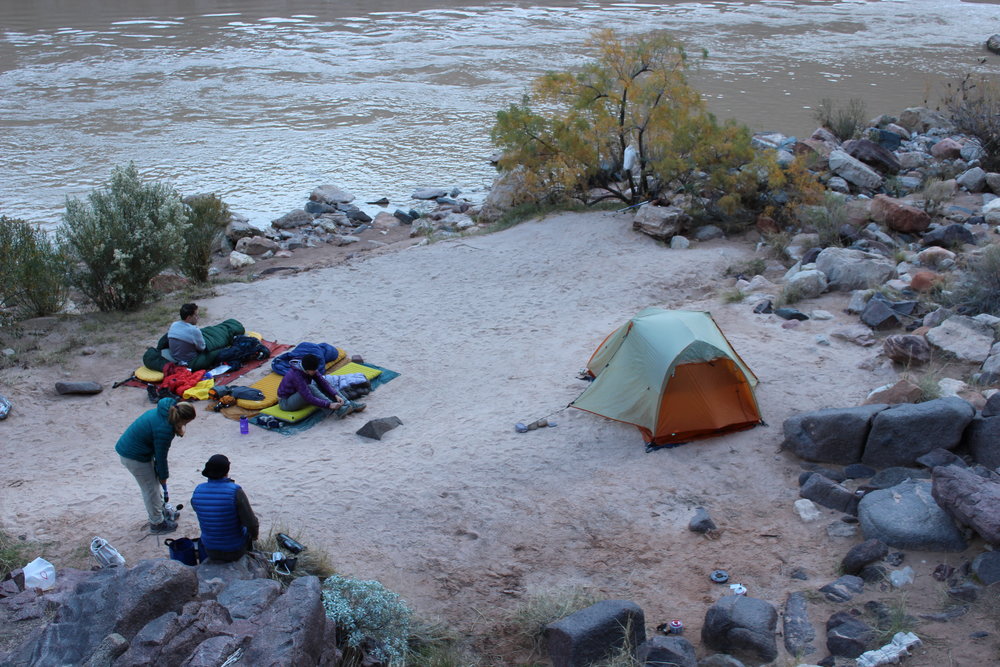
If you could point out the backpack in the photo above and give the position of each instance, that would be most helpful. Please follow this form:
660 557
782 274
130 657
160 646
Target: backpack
243 349
186 550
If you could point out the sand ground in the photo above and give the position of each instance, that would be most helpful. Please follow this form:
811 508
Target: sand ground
460 514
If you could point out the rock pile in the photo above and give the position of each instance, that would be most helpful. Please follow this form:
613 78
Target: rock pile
330 217
161 612
917 477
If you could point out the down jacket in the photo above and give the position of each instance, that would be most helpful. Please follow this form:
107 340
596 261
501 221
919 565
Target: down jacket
148 438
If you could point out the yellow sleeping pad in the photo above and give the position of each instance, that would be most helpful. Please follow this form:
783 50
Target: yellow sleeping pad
268 385
148 375
351 367
286 416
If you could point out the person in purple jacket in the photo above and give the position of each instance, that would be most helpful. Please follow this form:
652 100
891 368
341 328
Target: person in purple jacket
304 385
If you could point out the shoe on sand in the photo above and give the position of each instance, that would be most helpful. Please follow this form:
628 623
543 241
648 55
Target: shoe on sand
348 407
162 528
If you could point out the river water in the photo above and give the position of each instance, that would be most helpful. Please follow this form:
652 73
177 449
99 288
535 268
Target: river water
262 100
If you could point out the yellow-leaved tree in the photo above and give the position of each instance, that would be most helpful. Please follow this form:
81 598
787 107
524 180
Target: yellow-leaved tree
628 126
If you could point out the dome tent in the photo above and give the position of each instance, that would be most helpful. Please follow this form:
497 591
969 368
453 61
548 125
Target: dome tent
672 374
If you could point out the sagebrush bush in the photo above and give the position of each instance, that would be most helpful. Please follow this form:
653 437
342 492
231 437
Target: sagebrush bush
978 290
121 237
826 219
846 122
207 216
32 271
370 618
974 106
936 193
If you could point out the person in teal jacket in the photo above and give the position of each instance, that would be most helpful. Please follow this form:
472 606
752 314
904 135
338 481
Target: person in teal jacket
143 451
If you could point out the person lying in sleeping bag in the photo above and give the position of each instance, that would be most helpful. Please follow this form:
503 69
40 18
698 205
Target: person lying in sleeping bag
304 385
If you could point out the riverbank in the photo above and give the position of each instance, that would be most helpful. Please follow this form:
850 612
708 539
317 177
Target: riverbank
455 510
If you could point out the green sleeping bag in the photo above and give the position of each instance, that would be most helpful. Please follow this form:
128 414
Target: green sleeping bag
216 336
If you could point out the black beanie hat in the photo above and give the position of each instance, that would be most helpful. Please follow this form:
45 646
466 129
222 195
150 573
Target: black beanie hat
217 467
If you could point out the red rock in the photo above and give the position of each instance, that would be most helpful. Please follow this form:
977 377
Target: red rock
924 281
947 149
898 216
903 391
766 225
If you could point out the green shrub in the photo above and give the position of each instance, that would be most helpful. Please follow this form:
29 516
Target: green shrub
846 122
370 618
32 271
123 236
207 216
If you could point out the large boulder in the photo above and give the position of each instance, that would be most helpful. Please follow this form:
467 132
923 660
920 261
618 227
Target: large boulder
173 635
849 269
292 219
293 630
256 245
982 438
595 633
964 337
906 516
110 601
921 119
331 195
873 154
743 626
971 500
853 170
948 236
973 180
808 284
509 190
796 628
832 435
660 222
672 650
899 216
903 433
993 43
947 149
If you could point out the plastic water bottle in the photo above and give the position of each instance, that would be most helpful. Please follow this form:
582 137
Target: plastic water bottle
244 425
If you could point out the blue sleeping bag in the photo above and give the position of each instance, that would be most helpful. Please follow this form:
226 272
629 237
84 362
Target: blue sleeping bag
324 351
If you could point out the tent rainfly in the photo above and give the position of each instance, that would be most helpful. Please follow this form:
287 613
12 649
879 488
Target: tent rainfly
673 374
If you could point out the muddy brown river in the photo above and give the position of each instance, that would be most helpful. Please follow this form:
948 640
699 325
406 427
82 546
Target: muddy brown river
260 101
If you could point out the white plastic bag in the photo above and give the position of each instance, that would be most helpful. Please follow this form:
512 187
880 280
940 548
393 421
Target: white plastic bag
40 573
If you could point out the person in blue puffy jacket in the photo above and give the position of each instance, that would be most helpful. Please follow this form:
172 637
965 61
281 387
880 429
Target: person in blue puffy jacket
228 523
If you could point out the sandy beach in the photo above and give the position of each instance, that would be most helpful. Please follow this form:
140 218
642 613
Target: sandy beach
455 510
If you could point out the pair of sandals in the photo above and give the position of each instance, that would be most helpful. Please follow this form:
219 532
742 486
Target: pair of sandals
282 564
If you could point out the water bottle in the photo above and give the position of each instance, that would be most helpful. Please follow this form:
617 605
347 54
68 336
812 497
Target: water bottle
244 425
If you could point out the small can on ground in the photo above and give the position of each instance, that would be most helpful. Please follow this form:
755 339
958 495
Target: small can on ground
676 627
